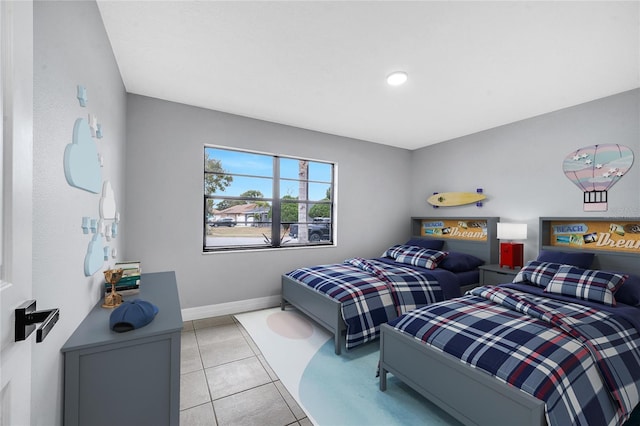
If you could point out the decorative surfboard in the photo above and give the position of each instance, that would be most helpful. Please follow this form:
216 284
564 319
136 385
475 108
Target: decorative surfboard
449 199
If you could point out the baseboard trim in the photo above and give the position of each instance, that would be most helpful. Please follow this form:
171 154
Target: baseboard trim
230 308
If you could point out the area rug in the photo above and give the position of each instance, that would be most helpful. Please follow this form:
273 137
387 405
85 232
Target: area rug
335 390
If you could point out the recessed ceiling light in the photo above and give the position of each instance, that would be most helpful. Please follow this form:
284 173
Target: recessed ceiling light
397 78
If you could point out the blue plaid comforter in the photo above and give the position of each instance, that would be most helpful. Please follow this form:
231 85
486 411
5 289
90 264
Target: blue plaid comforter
371 292
584 363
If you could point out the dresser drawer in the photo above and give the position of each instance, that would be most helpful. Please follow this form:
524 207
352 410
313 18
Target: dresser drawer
493 275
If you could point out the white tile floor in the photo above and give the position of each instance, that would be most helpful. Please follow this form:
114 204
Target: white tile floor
225 380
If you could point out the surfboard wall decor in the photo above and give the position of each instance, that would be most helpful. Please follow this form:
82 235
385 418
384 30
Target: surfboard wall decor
450 199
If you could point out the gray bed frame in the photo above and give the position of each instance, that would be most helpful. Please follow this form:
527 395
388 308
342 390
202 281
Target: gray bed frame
468 394
326 311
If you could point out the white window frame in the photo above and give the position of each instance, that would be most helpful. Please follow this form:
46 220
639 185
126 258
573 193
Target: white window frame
309 232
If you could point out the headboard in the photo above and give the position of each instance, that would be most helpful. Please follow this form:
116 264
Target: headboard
615 241
472 235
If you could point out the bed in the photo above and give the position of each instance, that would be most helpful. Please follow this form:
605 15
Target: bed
458 236
604 376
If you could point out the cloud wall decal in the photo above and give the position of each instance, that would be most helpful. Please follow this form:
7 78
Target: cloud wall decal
94 258
81 163
107 202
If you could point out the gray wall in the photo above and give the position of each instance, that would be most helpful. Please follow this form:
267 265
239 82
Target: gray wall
519 165
70 48
165 144
157 146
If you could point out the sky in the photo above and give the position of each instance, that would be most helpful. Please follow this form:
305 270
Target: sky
260 165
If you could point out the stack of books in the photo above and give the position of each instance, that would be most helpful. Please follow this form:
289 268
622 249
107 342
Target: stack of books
130 281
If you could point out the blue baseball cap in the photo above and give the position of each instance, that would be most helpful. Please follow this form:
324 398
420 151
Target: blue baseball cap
132 314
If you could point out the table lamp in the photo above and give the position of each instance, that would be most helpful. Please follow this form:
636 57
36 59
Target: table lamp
511 254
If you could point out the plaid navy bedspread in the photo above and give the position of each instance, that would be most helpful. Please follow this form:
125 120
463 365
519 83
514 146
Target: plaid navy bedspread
371 292
584 363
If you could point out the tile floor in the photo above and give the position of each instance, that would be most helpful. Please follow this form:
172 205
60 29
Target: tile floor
225 380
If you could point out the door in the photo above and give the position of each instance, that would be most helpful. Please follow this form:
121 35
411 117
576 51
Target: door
16 183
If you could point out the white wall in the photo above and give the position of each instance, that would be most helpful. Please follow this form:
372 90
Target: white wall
70 48
164 198
519 166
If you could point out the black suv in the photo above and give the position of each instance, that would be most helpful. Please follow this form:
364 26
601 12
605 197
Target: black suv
225 221
319 230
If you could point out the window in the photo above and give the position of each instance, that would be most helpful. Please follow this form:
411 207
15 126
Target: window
255 200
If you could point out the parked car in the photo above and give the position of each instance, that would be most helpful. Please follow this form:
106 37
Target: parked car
225 221
319 230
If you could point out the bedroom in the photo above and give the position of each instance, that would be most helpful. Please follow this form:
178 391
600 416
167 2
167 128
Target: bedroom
152 148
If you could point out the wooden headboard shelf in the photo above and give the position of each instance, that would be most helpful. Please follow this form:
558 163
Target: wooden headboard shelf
615 241
472 235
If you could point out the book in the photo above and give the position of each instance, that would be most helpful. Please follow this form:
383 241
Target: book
129 268
132 264
124 288
125 283
107 289
128 279
129 292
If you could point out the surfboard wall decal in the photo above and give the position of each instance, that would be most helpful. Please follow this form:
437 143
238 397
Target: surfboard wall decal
450 199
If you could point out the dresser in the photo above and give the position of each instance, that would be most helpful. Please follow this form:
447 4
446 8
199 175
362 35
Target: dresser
130 378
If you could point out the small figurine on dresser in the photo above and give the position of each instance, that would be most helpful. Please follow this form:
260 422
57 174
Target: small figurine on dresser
113 299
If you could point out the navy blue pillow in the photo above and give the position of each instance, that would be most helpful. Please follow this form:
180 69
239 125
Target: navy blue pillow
581 260
460 262
629 292
426 243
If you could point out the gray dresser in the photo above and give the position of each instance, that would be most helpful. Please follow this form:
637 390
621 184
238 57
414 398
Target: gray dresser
130 378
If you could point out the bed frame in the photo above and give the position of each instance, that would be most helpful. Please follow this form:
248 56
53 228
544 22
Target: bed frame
326 311
468 394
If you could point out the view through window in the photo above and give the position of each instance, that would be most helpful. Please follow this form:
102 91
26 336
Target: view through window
256 200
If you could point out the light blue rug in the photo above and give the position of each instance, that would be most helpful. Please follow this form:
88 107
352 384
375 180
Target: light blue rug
335 390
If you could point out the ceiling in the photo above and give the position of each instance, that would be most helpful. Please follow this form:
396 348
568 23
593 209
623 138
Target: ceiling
321 65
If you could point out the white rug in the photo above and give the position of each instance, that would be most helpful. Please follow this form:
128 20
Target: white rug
332 389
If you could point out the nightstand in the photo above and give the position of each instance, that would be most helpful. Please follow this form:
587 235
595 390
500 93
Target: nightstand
494 274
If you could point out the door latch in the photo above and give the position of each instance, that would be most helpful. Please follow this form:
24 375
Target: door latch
27 317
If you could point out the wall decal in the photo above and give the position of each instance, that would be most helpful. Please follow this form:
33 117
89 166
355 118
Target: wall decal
595 169
94 258
85 224
81 165
82 95
107 202
93 124
83 169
